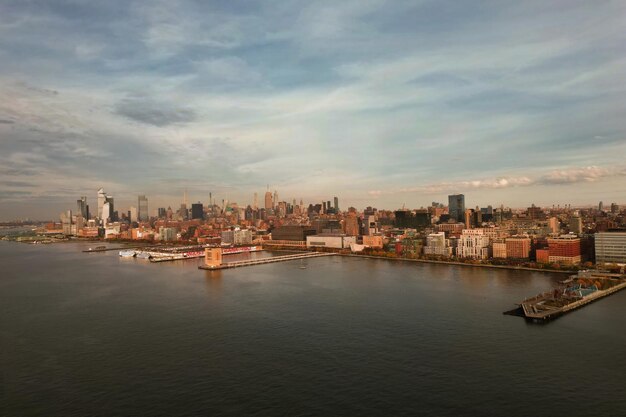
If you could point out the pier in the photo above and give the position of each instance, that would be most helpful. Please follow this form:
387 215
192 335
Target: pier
587 287
251 262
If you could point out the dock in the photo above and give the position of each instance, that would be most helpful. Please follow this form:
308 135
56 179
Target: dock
280 258
550 305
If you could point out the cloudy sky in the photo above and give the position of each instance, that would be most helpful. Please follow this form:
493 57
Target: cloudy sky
379 102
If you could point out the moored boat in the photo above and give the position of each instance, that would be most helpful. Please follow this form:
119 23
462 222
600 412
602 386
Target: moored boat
127 253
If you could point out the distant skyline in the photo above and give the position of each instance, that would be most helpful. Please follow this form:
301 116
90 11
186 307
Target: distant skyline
380 103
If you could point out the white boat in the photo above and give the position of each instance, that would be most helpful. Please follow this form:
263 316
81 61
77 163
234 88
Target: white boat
143 255
127 253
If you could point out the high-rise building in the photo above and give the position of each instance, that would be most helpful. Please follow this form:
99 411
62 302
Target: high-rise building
255 203
554 225
610 247
336 205
106 212
600 206
268 200
456 207
142 209
83 208
133 214
275 200
101 200
576 224
197 211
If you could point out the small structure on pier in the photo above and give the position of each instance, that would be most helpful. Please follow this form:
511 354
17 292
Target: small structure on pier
213 257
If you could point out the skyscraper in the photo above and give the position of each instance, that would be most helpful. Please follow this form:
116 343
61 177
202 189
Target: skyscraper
456 207
275 201
255 203
142 208
268 200
82 208
336 205
101 200
197 211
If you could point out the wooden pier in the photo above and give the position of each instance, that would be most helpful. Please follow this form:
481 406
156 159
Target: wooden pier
272 259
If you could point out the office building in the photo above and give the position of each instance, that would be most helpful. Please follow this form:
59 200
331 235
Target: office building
142 209
456 207
610 247
268 201
101 200
336 205
197 211
82 208
133 214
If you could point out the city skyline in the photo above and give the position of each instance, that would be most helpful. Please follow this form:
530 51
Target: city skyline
378 103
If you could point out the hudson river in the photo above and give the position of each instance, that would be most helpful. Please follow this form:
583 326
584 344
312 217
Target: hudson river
95 335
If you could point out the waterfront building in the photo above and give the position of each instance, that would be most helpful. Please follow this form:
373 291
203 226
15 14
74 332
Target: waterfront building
542 255
564 249
374 241
498 248
473 244
142 208
517 247
456 207
330 241
437 244
168 234
610 247
237 236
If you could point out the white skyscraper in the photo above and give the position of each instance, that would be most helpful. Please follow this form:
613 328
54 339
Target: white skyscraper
102 197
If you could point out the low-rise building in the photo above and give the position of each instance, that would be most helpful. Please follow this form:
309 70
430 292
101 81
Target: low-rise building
329 241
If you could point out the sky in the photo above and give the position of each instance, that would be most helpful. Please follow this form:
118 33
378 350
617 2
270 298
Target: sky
381 103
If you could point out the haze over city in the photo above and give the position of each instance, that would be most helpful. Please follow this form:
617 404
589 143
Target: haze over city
510 103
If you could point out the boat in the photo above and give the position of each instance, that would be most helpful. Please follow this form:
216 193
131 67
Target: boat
100 247
143 255
127 253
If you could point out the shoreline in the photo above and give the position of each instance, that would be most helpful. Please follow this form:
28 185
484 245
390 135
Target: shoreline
510 267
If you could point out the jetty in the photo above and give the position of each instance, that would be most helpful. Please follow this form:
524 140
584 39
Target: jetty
573 293
213 260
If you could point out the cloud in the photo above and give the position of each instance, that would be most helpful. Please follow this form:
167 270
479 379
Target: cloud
577 175
157 113
557 177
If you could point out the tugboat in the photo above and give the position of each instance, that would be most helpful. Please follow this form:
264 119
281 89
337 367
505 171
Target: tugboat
127 253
